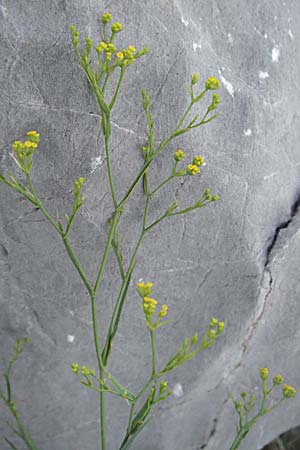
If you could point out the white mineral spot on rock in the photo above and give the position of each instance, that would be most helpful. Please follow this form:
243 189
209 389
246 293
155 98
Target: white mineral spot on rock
185 21
96 162
70 338
230 38
266 177
275 54
248 132
263 75
178 390
266 35
291 34
195 46
227 85
3 11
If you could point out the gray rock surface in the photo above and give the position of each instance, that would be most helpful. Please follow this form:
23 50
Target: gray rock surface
237 259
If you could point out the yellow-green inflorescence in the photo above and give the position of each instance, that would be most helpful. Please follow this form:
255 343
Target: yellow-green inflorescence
212 83
149 305
247 403
109 56
24 150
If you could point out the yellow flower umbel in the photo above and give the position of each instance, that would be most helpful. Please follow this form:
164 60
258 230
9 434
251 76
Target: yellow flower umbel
149 306
192 169
198 161
144 289
24 151
179 155
163 312
288 391
212 83
106 18
116 27
264 373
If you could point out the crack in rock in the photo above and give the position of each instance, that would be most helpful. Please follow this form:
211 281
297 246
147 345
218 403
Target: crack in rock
211 433
266 286
266 283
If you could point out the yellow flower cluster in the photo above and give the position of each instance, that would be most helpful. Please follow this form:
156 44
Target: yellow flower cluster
198 161
33 136
84 370
106 18
264 373
288 391
149 306
164 311
179 155
212 83
25 150
278 379
144 289
116 27
192 169
18 145
124 57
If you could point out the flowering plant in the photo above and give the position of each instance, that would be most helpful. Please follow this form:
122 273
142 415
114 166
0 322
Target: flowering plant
109 60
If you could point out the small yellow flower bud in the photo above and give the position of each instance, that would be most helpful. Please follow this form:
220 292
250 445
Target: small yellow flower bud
111 47
144 289
120 55
207 194
131 48
103 45
264 373
198 160
108 56
215 198
163 387
239 407
179 155
116 27
164 311
106 18
29 144
192 169
221 326
213 322
212 83
75 367
150 301
212 333
195 78
288 391
278 379
243 394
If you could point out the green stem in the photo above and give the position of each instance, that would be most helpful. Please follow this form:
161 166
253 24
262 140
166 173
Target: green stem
111 105
153 353
120 302
130 417
106 130
161 146
184 115
162 184
77 264
115 220
238 439
101 369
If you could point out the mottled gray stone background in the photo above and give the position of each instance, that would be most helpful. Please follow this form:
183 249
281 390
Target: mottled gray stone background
238 259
